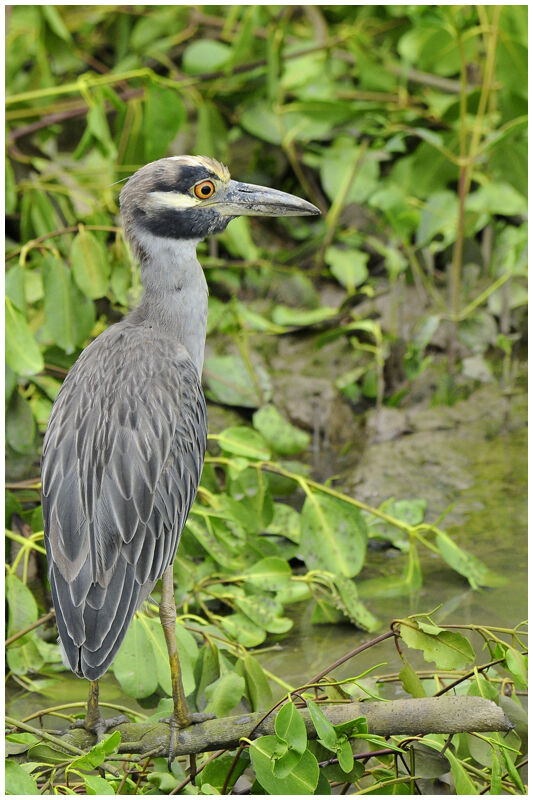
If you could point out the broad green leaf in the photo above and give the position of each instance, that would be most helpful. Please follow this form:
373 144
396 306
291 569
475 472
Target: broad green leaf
205 55
517 666
325 613
22 608
69 315
265 612
348 601
10 188
243 630
20 424
462 781
18 781
135 666
285 522
348 266
98 753
243 441
283 438
257 684
269 574
338 161
163 117
290 727
448 650
324 728
19 742
97 785
439 217
302 780
229 381
224 694
15 287
22 352
411 683
90 264
466 564
345 754
333 535
216 772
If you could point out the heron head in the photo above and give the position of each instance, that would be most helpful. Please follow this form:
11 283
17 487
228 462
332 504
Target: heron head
190 197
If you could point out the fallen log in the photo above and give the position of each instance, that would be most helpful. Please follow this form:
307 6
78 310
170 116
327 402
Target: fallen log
398 717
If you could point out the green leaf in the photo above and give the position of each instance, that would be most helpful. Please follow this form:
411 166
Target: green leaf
135 666
90 265
348 601
97 785
496 775
224 694
257 684
22 352
512 770
270 574
285 522
283 438
301 317
466 564
290 727
439 217
265 612
333 535
345 754
243 441
448 650
324 728
411 683
229 381
216 771
98 753
302 780
164 115
348 266
243 630
20 424
337 163
18 781
22 608
205 55
69 315
19 742
517 666
461 779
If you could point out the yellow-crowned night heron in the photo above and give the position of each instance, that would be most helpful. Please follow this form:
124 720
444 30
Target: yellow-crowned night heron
125 443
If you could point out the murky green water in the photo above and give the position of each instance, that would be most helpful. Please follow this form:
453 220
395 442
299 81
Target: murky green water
494 530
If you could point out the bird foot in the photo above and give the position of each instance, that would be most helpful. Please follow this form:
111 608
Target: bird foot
100 726
176 725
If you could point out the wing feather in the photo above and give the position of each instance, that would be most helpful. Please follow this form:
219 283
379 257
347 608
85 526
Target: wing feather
121 463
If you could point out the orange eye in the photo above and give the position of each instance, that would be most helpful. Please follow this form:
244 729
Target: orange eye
204 189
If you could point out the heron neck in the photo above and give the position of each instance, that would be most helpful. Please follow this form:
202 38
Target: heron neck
175 292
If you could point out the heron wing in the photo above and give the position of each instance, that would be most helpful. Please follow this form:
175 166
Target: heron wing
121 463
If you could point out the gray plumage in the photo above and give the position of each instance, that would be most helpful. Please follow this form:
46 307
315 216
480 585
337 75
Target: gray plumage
122 460
125 443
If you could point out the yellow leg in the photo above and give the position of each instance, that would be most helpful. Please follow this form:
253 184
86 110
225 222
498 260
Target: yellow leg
167 615
94 721
182 716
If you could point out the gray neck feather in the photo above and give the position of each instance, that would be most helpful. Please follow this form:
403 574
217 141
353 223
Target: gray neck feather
175 292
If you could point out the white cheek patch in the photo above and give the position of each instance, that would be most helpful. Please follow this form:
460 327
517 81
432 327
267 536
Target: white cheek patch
173 200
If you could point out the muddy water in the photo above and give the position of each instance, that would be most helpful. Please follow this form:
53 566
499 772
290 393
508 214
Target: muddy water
490 519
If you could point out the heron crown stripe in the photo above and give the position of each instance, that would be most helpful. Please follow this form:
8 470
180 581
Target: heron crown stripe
220 170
